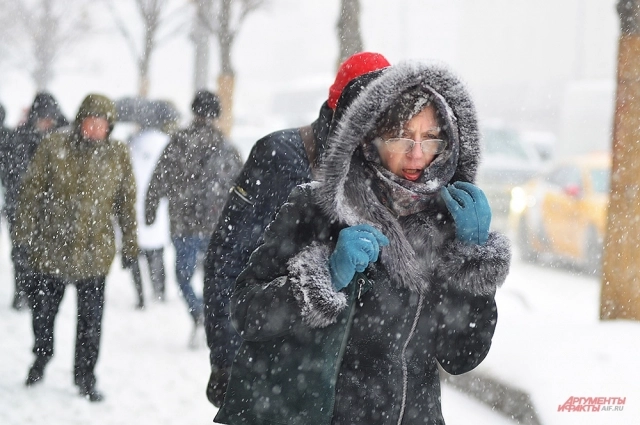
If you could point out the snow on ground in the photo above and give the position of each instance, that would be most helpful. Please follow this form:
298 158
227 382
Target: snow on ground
549 342
146 371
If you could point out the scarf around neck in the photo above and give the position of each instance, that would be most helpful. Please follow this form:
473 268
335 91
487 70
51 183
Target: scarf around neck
399 199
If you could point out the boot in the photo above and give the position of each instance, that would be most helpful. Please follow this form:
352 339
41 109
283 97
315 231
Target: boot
37 370
91 393
140 305
88 389
197 338
19 301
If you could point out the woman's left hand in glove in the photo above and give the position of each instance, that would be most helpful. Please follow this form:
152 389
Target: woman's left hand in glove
470 210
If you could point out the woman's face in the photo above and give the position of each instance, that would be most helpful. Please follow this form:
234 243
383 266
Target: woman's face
409 165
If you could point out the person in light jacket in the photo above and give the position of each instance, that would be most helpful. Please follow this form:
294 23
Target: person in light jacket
371 277
146 148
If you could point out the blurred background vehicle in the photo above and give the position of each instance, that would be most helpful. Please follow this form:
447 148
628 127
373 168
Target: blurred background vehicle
543 143
507 161
562 213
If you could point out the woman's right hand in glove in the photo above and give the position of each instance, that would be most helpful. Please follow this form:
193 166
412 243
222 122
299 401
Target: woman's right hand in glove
357 246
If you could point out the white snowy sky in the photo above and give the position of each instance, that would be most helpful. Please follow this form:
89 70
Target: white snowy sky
529 63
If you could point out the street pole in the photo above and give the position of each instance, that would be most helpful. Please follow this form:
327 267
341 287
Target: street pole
620 294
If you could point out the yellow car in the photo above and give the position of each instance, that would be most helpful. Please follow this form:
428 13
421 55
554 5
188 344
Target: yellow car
563 212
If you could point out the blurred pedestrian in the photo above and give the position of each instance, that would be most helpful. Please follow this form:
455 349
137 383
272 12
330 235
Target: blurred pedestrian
146 148
194 173
4 131
277 163
16 153
374 275
5 134
78 182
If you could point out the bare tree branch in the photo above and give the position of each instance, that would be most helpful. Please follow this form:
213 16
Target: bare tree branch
179 19
122 28
38 33
156 17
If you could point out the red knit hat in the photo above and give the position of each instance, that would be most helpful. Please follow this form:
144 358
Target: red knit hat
356 65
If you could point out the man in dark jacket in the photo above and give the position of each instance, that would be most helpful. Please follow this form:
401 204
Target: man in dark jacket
78 182
195 173
278 162
44 117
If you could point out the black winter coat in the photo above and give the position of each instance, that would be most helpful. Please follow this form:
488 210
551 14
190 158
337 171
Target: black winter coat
369 353
277 163
16 153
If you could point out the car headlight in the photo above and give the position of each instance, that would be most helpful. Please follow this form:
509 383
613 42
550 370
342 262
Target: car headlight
518 201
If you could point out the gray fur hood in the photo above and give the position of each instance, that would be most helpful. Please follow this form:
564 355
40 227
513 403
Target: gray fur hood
423 248
360 121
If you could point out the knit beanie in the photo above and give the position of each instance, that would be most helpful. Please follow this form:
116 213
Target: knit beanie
356 65
206 104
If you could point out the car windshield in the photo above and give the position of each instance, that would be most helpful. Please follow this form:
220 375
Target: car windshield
600 180
500 142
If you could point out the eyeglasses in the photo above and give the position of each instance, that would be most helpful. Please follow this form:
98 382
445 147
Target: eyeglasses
402 145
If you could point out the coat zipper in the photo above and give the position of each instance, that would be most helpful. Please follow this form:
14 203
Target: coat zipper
361 283
405 373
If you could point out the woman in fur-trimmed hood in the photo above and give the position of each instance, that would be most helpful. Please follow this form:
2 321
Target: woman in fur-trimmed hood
371 277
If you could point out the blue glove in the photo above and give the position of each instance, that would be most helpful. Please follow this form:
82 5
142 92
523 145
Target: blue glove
357 246
470 210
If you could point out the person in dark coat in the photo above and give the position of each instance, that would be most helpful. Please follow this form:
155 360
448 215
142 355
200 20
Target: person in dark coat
370 278
17 152
195 172
5 135
79 183
4 131
277 163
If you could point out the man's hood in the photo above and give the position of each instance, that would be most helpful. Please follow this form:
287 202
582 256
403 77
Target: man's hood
46 106
96 105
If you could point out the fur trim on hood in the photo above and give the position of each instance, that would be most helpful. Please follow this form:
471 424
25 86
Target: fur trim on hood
417 243
360 121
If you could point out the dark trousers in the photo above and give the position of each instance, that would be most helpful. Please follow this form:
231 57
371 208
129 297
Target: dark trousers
48 295
22 275
155 262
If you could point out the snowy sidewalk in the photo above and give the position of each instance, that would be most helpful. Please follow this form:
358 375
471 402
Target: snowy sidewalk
550 343
146 371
